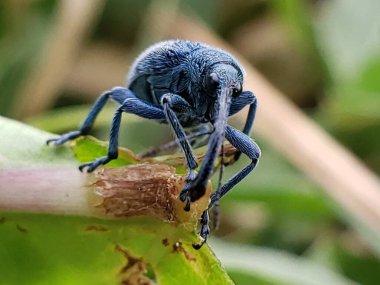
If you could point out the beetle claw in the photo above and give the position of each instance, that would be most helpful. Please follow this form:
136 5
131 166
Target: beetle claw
199 245
184 196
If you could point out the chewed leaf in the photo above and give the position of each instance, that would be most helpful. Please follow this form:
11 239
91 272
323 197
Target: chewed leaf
77 250
146 190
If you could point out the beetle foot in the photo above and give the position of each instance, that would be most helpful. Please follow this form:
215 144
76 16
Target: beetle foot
91 166
184 196
199 245
205 230
191 192
64 138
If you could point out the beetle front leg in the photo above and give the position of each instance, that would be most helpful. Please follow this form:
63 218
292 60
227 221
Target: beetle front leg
195 189
172 102
205 219
246 145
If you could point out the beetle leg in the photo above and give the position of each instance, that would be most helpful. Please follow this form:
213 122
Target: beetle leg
195 189
238 103
130 105
112 147
172 102
118 94
246 145
205 229
215 216
205 219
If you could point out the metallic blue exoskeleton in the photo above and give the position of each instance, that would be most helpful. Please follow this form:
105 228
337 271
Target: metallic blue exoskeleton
187 85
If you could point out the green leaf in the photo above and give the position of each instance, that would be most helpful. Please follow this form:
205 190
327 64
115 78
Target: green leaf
88 149
56 249
24 146
348 39
25 30
43 249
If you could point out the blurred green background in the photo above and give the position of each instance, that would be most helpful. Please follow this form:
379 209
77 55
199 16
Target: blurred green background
323 54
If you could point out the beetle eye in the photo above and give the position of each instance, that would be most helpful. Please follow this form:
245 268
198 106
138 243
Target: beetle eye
212 84
236 90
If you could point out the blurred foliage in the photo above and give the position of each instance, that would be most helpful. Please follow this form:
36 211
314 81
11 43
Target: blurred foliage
349 39
24 27
323 54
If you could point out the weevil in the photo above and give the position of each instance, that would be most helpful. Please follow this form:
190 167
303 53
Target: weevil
188 85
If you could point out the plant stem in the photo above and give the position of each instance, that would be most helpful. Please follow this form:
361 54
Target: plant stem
47 190
120 192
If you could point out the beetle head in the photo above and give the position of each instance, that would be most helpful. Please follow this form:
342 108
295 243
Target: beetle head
222 82
223 76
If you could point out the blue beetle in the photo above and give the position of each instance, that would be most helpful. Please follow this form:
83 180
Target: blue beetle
187 85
